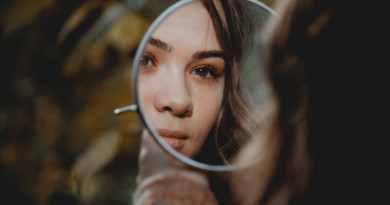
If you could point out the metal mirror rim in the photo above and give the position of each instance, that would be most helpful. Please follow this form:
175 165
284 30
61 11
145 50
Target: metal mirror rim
134 78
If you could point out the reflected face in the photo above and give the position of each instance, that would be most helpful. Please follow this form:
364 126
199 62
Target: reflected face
182 78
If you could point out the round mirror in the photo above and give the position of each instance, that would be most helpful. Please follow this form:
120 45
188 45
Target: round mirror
198 80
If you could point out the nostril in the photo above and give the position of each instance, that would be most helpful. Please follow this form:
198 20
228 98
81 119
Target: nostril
167 109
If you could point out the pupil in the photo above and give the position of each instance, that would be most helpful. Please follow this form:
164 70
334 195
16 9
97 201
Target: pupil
202 72
144 60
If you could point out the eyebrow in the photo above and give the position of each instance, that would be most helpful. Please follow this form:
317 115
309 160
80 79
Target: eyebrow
160 44
198 55
209 54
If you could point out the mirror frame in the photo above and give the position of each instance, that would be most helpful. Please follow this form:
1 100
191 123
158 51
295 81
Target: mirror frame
139 107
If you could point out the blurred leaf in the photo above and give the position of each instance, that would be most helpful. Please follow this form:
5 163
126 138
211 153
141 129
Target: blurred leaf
22 12
97 156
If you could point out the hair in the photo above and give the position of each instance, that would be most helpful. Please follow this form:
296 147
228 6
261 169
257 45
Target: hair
236 120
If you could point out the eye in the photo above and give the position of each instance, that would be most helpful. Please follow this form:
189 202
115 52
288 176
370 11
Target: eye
204 71
147 60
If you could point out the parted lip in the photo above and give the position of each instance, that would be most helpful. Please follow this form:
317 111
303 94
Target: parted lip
172 133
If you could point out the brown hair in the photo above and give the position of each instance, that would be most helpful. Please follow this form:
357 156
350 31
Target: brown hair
236 119
285 163
307 47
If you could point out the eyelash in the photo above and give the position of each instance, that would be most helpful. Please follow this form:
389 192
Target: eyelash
209 69
150 57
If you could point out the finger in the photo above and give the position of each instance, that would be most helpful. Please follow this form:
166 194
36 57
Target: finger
152 159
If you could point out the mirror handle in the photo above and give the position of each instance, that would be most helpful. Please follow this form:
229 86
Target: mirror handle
130 108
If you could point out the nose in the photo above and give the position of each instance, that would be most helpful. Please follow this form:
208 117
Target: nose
174 97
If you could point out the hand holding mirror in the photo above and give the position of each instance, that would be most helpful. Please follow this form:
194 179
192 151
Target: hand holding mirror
193 77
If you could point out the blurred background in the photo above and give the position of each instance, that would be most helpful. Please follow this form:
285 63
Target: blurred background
65 65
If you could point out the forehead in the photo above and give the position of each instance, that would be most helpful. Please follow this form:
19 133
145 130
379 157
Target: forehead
189 26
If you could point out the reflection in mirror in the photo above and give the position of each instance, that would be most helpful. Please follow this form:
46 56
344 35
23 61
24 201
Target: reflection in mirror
200 80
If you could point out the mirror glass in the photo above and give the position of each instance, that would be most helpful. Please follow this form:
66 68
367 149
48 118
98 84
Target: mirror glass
201 88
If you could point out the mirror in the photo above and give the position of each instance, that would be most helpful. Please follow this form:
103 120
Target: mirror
200 89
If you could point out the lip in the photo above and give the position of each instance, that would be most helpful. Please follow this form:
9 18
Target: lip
173 138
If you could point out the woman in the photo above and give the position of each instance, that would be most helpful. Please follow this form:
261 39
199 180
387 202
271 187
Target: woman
159 179
191 78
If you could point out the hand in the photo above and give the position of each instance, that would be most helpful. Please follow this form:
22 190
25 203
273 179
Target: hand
162 179
153 160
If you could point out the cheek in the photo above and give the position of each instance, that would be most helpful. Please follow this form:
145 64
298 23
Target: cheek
208 104
211 104
146 93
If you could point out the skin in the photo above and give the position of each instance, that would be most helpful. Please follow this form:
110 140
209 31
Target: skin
182 78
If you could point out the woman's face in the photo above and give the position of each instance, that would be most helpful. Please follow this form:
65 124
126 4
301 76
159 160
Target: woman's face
182 78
